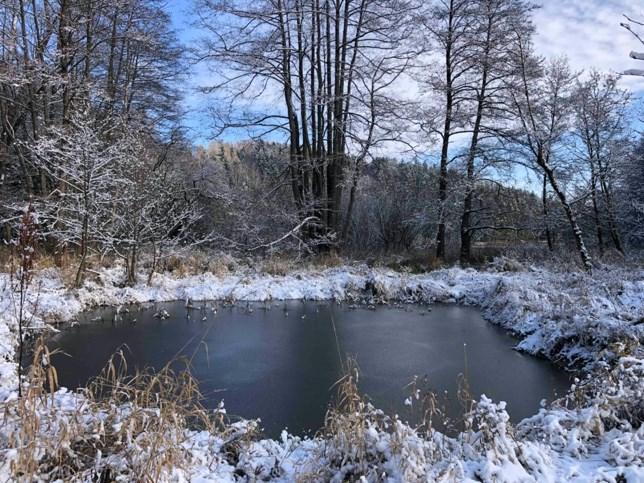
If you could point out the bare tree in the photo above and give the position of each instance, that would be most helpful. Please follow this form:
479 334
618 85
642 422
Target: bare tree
541 99
81 158
451 25
331 64
493 41
245 196
601 125
120 57
153 208
391 213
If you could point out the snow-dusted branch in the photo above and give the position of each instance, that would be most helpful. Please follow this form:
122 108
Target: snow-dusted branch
291 233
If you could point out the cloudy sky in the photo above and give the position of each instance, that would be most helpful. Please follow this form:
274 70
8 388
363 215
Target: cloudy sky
588 32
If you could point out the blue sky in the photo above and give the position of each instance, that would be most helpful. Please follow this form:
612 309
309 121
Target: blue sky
181 13
586 31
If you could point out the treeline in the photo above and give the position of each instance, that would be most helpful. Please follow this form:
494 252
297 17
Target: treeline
91 131
247 202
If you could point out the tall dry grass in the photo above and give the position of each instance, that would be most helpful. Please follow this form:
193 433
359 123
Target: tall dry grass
134 426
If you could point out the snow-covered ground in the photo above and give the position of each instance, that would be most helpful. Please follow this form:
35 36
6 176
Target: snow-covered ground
594 322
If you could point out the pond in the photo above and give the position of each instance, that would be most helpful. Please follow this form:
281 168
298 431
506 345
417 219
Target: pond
278 361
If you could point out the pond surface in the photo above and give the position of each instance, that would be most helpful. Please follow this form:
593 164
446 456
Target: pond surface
278 361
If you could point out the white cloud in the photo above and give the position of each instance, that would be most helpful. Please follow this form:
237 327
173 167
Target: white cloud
588 32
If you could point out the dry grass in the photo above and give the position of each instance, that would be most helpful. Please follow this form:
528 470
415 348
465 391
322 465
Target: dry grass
278 265
132 426
137 428
199 262
184 266
347 423
328 260
66 263
356 437
413 261
283 264
26 438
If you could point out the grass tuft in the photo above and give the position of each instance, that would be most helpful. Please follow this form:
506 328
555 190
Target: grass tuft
122 426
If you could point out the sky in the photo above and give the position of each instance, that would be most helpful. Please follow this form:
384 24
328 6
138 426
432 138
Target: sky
588 32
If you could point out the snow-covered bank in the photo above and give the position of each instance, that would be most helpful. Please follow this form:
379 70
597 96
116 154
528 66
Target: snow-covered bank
567 316
571 317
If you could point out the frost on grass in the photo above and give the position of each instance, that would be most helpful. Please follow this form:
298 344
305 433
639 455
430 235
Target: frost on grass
593 434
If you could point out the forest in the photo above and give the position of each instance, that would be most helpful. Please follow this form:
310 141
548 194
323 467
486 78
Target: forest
497 147
370 152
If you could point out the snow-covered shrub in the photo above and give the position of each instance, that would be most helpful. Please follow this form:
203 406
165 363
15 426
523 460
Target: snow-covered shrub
606 405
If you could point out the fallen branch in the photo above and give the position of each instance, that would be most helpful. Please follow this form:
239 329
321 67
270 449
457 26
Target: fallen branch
287 235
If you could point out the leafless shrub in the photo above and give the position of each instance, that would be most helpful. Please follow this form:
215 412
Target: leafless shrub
21 281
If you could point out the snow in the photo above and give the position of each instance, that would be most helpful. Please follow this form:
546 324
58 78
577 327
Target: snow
583 321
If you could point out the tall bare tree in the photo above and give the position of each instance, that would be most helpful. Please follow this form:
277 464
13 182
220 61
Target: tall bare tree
541 97
493 39
601 125
317 71
451 25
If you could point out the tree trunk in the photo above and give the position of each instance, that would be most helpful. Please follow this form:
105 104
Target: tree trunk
579 239
466 229
131 267
546 221
598 226
154 262
612 225
466 232
83 249
442 177
85 231
442 192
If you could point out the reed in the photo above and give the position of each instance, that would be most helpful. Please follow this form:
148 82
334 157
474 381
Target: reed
134 426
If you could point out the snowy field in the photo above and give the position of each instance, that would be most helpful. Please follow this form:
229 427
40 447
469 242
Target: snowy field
593 322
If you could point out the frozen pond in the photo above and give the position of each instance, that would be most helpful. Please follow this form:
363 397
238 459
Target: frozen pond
277 361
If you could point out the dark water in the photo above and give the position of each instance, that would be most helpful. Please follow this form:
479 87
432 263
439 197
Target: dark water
278 361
